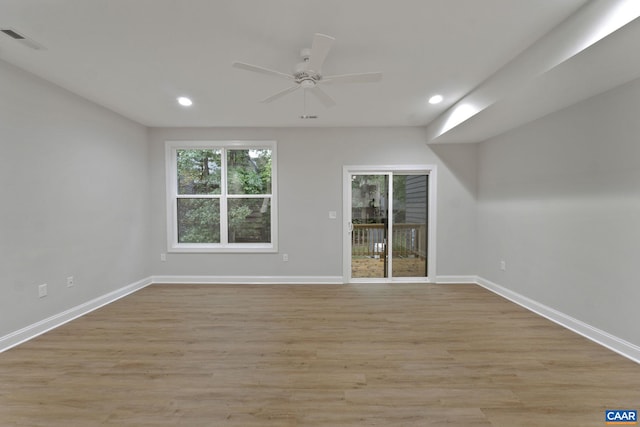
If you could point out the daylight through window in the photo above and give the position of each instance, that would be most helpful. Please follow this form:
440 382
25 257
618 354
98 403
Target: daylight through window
222 196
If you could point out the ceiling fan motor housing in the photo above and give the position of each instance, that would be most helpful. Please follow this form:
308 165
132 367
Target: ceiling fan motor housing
305 78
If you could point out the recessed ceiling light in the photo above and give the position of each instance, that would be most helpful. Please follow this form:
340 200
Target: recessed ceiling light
435 99
184 101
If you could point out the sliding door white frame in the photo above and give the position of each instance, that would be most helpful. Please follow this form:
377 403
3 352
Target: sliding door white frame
347 172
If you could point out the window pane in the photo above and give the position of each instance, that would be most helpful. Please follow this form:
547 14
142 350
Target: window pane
249 171
410 225
250 220
198 221
199 171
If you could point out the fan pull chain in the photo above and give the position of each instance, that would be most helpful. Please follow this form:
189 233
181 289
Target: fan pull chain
304 106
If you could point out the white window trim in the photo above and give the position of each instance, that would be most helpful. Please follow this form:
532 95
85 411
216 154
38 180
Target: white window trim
171 148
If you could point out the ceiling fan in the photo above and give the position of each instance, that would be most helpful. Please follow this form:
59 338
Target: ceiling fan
307 74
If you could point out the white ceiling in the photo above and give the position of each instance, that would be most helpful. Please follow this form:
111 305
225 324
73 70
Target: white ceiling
603 66
136 56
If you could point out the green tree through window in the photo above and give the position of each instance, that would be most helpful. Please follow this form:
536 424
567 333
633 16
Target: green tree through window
223 194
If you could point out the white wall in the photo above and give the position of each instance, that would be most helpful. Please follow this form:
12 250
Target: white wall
559 201
310 185
73 199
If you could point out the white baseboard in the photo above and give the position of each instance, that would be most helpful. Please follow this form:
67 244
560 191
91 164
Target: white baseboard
456 279
29 332
248 280
603 338
620 346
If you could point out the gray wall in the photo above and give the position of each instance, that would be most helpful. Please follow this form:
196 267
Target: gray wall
559 201
83 194
310 185
73 199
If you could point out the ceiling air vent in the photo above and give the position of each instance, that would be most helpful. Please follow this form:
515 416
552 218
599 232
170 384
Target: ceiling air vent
13 34
22 38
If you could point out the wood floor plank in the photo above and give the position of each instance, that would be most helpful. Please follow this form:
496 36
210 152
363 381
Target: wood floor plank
287 355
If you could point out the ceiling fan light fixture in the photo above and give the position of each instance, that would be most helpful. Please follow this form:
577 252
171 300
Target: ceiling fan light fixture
307 84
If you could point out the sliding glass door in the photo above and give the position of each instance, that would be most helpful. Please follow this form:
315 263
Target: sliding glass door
369 214
409 225
388 225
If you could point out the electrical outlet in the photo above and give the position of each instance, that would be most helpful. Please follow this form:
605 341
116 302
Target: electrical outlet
69 281
163 257
42 290
503 265
285 257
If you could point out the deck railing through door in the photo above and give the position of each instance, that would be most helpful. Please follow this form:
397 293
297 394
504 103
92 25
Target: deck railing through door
368 240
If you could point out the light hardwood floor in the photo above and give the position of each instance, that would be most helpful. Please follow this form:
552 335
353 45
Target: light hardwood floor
286 355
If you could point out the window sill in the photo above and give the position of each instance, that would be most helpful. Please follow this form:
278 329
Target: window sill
221 249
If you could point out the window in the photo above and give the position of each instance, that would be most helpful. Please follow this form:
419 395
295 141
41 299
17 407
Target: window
221 196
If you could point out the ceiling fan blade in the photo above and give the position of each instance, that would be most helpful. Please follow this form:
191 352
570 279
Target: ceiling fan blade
319 50
261 70
280 94
322 96
353 78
